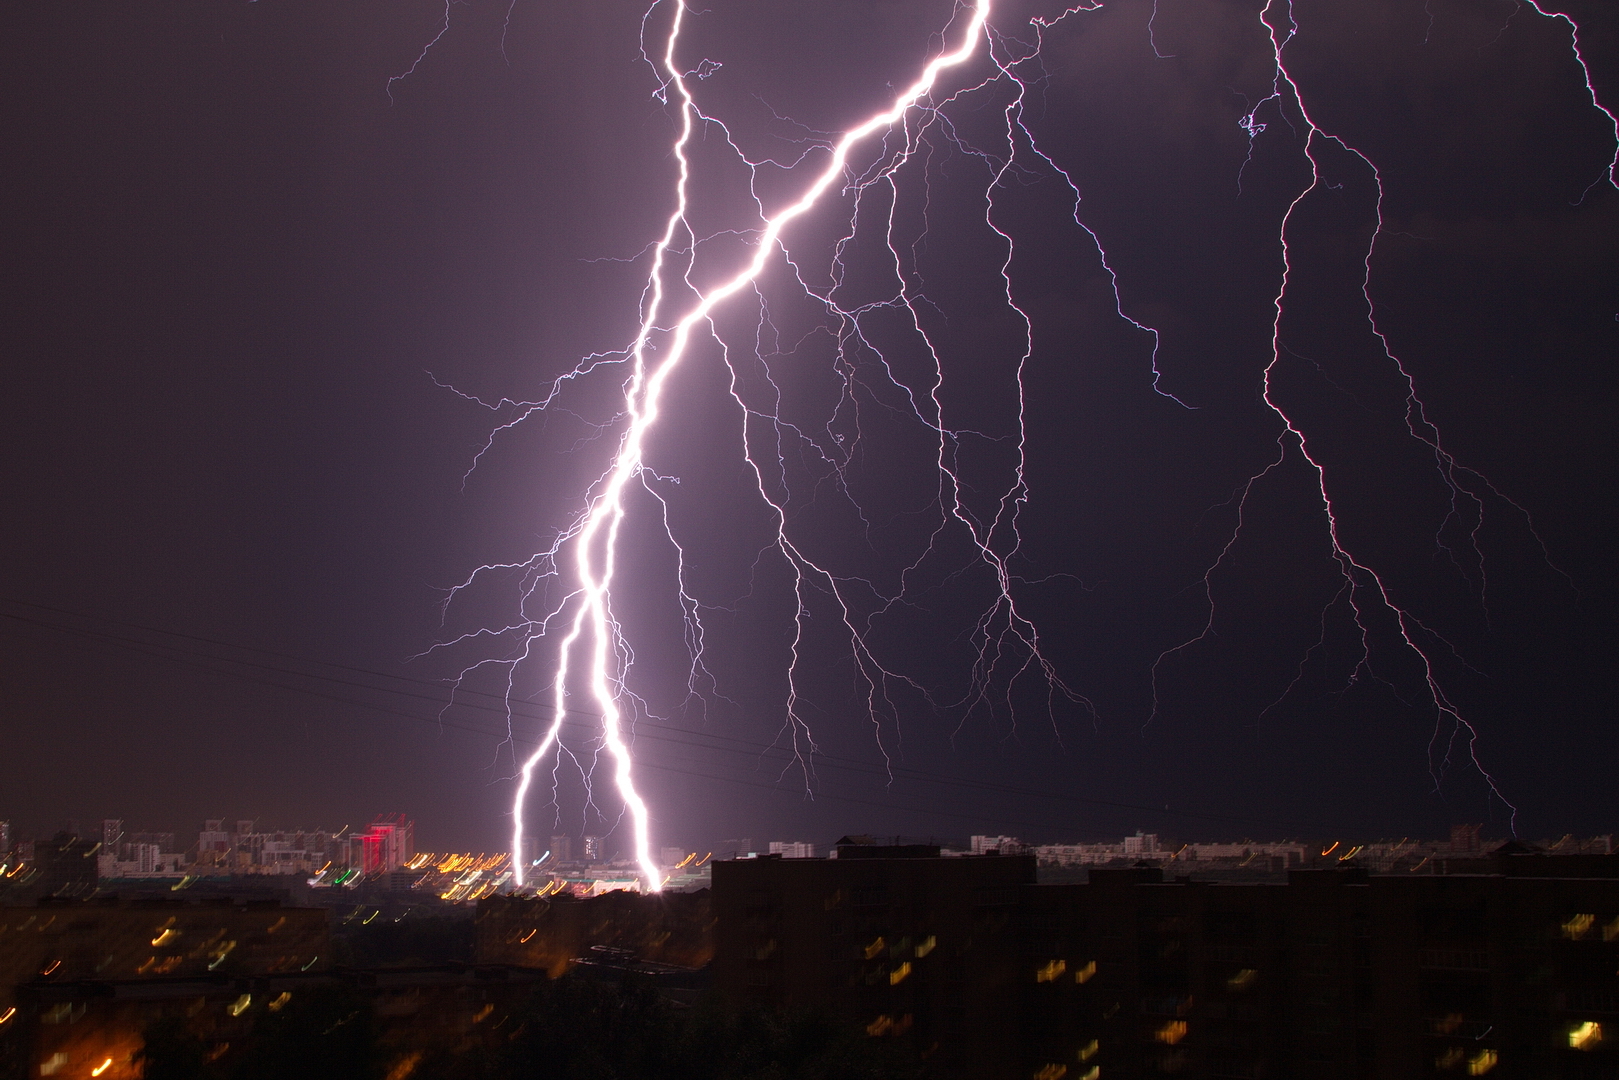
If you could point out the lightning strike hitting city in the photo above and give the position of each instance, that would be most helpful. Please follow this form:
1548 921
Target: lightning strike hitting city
758 538
873 186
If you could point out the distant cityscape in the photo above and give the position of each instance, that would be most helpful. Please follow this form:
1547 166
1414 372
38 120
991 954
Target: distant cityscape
384 856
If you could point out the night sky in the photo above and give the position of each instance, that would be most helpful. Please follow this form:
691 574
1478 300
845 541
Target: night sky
244 269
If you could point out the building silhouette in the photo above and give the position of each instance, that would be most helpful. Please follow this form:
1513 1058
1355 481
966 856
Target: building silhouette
1509 970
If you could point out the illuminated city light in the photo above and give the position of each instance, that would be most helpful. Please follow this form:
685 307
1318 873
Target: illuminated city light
1171 1033
1051 971
1089 1050
1242 980
1086 973
239 1006
103 1067
1481 1062
279 1002
1578 926
220 954
405 1066
899 974
1051 1071
1586 1036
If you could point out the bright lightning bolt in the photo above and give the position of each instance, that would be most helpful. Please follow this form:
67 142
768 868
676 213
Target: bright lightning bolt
594 539
676 311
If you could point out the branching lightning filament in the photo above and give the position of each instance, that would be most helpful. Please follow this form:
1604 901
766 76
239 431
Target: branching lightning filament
684 289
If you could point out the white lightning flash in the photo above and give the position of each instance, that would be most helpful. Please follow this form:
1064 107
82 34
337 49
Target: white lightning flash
594 537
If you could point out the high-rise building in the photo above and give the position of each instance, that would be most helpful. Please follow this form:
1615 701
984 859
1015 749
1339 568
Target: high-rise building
213 843
792 849
593 848
388 844
562 848
5 839
1005 845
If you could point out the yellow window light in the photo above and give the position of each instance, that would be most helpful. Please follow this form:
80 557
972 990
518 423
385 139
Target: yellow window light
239 1006
1578 926
1052 1071
1481 1063
1051 971
1084 974
103 1067
1171 1033
1585 1036
875 949
899 974
1089 1050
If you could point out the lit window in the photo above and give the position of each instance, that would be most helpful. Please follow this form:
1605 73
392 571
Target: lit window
1481 1063
1051 971
1171 1033
1585 1036
1578 926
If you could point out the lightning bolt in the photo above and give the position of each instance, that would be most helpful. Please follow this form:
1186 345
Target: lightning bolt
593 540
571 581
1363 589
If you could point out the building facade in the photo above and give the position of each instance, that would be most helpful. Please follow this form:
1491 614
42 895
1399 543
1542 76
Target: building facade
1334 974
